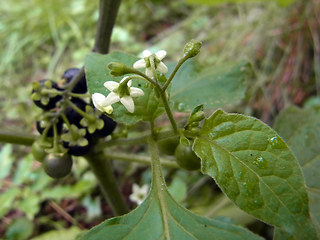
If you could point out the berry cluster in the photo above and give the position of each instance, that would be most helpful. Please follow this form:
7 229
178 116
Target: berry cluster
68 125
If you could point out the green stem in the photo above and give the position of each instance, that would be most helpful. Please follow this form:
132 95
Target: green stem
82 113
145 77
108 10
142 139
158 183
138 159
102 169
168 111
75 80
181 61
16 138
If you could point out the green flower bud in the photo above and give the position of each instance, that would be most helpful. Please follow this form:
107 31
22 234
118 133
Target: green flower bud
118 69
192 48
196 117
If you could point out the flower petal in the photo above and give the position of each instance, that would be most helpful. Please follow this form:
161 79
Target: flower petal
136 92
111 85
162 67
97 100
149 72
128 103
146 53
140 64
161 54
111 99
144 189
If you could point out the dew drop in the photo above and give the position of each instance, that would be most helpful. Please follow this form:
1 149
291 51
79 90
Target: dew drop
181 106
260 162
277 143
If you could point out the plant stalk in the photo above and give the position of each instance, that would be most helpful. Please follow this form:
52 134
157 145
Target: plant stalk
16 138
108 10
139 159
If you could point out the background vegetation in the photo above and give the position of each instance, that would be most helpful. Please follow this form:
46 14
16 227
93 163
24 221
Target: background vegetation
41 39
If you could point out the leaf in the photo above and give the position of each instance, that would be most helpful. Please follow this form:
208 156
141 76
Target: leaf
5 161
218 2
19 229
214 87
301 129
7 198
147 222
65 234
147 107
255 168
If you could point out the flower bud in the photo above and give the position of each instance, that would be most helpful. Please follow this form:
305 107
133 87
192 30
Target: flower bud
192 48
118 69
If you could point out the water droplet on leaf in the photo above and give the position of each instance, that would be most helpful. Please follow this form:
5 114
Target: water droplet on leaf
260 162
277 143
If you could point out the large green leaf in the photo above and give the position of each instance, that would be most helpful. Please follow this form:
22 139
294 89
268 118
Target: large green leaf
147 107
301 129
214 87
254 167
152 221
218 2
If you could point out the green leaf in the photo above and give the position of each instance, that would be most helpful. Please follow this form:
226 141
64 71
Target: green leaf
19 229
301 129
218 2
214 87
151 221
7 198
5 161
65 234
255 168
147 107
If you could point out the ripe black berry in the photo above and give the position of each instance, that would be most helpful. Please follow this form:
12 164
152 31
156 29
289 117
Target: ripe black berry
79 150
73 116
52 102
50 131
81 86
108 127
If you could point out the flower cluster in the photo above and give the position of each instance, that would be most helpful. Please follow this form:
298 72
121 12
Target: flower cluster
123 92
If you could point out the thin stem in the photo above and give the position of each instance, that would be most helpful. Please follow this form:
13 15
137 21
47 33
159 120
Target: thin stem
82 113
145 77
108 10
138 159
181 61
16 138
168 111
102 169
79 95
142 139
224 201
75 80
158 183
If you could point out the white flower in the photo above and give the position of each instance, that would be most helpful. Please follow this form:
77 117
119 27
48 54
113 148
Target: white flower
99 101
126 100
145 62
138 194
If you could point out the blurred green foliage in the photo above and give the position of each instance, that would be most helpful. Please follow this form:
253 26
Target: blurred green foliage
41 39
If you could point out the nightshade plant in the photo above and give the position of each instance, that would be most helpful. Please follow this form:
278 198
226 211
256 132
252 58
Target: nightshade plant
249 161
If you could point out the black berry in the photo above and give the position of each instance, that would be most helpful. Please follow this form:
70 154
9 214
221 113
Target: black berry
52 101
59 124
73 116
81 86
108 127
